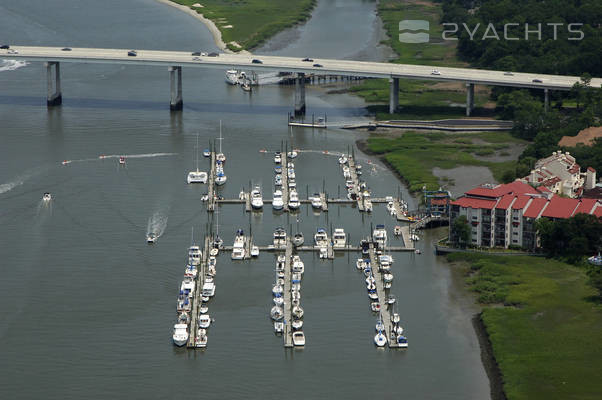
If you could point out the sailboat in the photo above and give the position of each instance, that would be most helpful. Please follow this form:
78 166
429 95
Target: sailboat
197 176
220 176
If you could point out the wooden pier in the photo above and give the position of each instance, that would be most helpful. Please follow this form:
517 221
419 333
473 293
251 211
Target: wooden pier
284 165
211 197
382 296
196 301
288 301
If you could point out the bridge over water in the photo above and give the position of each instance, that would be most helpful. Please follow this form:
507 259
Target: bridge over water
176 60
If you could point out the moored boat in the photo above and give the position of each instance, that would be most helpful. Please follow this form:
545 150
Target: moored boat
180 334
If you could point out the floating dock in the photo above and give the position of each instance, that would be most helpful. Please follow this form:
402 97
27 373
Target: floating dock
196 302
288 300
211 197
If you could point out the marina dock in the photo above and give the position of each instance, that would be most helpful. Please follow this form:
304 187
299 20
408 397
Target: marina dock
288 300
211 197
196 302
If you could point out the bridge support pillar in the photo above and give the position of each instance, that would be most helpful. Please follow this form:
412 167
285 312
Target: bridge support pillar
54 96
300 94
469 98
175 103
546 99
393 95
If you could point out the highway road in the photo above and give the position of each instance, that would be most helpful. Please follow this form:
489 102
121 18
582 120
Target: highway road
290 64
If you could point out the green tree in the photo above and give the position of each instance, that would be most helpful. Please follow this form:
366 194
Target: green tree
461 231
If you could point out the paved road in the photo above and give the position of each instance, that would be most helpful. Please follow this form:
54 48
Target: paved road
328 66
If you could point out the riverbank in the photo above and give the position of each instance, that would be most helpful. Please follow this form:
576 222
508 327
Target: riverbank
450 160
243 26
542 322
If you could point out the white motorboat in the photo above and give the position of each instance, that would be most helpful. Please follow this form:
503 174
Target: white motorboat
379 325
360 264
388 277
276 313
278 157
298 239
296 278
204 308
401 341
277 290
367 270
371 286
279 237
201 338
397 329
204 321
397 230
255 251
208 289
47 196
256 199
190 271
233 77
370 280
220 157
375 306
292 184
368 205
323 253
194 255
188 286
298 312
293 201
292 154
343 160
298 265
390 206
278 327
122 160
379 235
278 202
417 251
278 180
339 238
395 318
321 237
316 201
180 334
291 174
238 248
373 296
151 238
298 338
197 176
183 303
206 153
220 178
380 339
297 324
278 300
391 299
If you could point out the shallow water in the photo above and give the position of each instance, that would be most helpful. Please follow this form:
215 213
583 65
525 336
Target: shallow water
87 307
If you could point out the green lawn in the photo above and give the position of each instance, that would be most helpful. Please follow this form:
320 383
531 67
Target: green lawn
253 21
547 338
414 155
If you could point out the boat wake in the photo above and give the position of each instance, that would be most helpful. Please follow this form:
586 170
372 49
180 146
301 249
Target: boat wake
11 65
105 156
374 167
7 187
157 223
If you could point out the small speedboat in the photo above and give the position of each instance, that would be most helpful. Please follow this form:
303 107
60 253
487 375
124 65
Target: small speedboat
278 202
417 251
278 327
316 201
278 300
204 321
380 339
47 196
121 160
380 326
276 313
180 334
297 324
395 318
277 290
397 329
292 154
256 199
402 341
204 308
339 238
360 264
391 299
388 277
342 160
375 306
298 265
298 239
278 157
298 311
293 201
220 157
254 251
201 338
298 338
397 230
371 286
321 237
151 238
206 153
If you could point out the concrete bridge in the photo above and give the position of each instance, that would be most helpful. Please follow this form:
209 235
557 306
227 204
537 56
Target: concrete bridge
176 60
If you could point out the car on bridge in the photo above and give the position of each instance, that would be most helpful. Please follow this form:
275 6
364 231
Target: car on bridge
213 54
508 73
318 65
66 49
196 59
196 53
11 51
435 72
132 53
257 61
5 47
537 80
307 59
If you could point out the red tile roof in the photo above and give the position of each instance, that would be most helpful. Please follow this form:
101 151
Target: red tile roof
574 168
521 202
598 211
535 208
585 206
560 207
543 189
474 203
516 187
505 202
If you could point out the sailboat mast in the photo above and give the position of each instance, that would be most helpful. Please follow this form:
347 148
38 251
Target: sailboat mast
197 152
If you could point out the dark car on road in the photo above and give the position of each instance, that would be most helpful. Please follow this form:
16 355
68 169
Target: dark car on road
213 54
318 65
5 47
132 53
196 53
307 59
66 49
256 61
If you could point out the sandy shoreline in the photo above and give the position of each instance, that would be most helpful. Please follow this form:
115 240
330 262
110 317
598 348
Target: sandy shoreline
217 35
